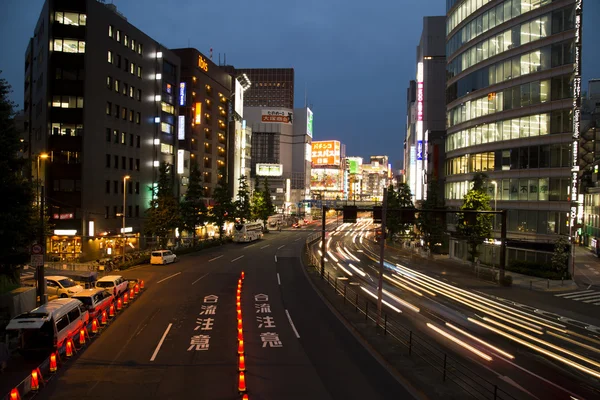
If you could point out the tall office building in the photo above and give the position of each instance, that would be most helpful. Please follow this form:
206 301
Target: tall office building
100 99
427 109
513 96
204 102
271 87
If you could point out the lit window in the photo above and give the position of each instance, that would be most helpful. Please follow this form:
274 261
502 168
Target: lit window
110 31
167 108
166 128
110 57
139 49
125 40
156 163
118 36
159 54
132 44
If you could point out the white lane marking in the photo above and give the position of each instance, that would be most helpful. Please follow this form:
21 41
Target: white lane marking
168 277
573 293
264 247
297 239
280 246
275 257
161 342
199 278
278 280
292 324
216 258
235 259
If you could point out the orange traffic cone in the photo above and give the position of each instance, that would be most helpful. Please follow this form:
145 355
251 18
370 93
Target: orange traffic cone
238 306
240 335
53 366
14 395
242 363
242 274
238 298
131 294
136 288
142 284
69 348
125 298
242 383
241 347
82 336
239 324
111 311
239 292
239 314
35 379
119 304
103 320
245 397
94 326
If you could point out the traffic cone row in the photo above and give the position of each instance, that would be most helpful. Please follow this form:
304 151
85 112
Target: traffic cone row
240 336
36 379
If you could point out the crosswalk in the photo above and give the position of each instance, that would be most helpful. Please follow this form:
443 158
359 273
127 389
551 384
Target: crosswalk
585 296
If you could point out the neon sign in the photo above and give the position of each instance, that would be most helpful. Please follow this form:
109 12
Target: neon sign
203 64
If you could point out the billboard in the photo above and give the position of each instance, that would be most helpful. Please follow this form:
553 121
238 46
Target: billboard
239 99
198 113
309 122
326 179
308 152
180 161
326 153
181 127
269 169
182 94
354 165
277 116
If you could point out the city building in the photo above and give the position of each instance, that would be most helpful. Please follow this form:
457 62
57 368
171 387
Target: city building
100 99
590 167
204 106
271 87
376 176
426 114
355 177
513 113
328 172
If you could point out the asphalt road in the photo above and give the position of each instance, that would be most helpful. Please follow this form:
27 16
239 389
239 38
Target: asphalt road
148 351
529 374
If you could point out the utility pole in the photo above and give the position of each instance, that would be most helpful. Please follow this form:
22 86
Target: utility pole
40 268
323 241
381 255
503 245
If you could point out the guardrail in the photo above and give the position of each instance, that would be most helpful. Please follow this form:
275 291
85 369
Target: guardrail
445 365
40 376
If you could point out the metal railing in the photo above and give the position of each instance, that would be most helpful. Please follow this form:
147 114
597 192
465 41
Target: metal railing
448 368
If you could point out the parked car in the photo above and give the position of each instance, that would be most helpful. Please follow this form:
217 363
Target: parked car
162 257
61 286
115 284
45 328
95 300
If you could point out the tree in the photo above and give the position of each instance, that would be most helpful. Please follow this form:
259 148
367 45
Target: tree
432 224
222 210
163 214
269 207
560 258
193 208
242 204
396 220
475 228
262 204
18 222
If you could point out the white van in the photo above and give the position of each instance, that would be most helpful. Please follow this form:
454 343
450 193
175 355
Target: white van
45 329
115 284
61 286
162 257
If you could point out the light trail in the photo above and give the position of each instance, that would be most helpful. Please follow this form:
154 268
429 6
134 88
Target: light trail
383 301
344 269
460 342
403 286
358 271
401 301
497 350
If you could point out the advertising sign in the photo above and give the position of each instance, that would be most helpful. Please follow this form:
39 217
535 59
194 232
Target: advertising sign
308 152
182 94
239 99
180 161
419 150
326 179
576 117
354 165
198 113
202 64
269 169
181 127
326 153
309 122
277 116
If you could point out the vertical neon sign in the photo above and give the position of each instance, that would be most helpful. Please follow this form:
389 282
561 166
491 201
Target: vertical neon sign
419 169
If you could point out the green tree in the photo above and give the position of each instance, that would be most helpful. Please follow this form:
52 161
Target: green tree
193 208
431 224
242 204
262 204
475 228
560 258
163 215
398 199
18 222
269 207
223 209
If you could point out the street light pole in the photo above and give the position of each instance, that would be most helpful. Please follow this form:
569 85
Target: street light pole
125 178
40 202
495 204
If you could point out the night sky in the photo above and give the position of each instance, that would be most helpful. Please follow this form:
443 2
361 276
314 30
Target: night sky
354 57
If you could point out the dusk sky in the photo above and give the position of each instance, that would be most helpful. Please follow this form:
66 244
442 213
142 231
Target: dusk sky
354 57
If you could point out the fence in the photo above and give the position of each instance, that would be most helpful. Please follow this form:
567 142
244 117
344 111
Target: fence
448 368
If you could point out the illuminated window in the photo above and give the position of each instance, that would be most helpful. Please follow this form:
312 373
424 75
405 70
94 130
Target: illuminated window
166 128
110 31
167 107
166 148
69 18
69 46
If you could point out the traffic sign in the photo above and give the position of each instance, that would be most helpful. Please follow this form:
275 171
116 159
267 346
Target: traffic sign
36 249
37 260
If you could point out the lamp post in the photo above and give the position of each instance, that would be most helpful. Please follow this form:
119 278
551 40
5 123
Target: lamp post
495 204
42 156
40 203
125 178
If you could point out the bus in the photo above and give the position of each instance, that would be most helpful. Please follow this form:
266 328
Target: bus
247 232
274 220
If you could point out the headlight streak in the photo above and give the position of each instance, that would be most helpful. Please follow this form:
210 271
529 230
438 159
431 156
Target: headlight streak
383 301
539 349
351 255
403 285
344 269
330 254
399 278
575 342
460 342
497 350
358 271
516 313
403 302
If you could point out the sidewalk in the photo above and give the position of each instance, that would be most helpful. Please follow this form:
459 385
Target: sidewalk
587 267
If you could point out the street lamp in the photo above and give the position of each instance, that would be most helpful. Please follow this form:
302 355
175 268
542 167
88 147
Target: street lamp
125 178
41 156
495 204
40 203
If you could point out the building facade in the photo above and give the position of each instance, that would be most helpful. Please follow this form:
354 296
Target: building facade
100 98
427 108
271 87
204 97
513 66
375 178
328 170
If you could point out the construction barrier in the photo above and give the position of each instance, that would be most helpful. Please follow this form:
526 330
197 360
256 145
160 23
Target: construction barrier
35 381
